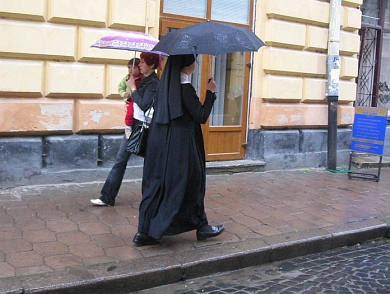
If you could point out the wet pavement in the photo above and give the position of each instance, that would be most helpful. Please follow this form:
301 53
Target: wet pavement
347 270
52 240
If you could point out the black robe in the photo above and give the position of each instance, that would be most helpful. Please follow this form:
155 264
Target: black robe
174 177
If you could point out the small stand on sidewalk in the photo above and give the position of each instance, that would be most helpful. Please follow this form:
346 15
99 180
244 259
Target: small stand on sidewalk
368 136
367 176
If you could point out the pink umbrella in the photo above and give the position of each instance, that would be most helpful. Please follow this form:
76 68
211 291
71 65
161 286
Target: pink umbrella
132 41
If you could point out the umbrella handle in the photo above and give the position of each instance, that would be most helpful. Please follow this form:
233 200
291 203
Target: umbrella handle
195 55
212 65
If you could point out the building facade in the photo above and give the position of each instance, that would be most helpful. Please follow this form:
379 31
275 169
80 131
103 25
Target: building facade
61 115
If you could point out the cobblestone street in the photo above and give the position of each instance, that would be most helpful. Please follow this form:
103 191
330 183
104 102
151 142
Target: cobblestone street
356 269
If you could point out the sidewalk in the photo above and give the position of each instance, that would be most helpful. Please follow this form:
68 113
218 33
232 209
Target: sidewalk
52 240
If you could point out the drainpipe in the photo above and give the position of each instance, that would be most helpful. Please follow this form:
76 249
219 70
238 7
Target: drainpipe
147 17
333 72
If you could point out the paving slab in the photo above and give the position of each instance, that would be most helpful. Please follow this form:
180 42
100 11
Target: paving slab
52 240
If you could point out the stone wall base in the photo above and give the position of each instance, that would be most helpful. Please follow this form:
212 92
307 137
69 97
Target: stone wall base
290 149
88 158
61 159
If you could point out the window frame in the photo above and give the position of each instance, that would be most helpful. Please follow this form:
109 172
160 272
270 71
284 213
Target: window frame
179 17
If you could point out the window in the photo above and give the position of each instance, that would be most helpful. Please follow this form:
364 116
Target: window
387 15
236 11
194 8
370 12
385 62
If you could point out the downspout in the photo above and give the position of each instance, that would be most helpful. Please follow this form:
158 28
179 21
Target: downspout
333 72
250 83
147 17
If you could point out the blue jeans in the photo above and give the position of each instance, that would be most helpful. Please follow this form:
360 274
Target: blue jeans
115 177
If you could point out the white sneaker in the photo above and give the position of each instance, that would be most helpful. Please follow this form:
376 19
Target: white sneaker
99 202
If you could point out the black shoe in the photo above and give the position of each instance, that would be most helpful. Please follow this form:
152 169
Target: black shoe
209 231
141 239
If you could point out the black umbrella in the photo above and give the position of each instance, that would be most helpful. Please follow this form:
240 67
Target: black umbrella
209 38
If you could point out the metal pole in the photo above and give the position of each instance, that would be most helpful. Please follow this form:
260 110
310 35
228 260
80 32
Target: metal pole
333 71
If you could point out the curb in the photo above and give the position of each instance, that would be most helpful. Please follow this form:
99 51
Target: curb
126 277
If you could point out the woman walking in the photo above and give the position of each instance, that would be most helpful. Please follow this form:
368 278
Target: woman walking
174 179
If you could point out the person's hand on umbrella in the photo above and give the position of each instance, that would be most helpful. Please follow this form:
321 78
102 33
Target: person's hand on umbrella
211 85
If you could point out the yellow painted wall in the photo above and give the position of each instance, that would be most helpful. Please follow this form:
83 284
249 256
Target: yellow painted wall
291 70
52 81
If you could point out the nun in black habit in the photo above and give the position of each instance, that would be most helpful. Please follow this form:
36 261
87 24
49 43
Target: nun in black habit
174 177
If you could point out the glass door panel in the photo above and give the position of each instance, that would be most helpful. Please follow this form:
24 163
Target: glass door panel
229 76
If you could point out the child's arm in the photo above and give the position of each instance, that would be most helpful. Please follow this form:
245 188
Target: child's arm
123 89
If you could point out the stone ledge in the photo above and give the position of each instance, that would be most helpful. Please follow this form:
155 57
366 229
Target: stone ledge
234 166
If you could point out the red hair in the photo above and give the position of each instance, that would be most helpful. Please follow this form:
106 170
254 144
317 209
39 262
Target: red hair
151 59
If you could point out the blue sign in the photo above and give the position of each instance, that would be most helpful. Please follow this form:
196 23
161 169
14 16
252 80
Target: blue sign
369 130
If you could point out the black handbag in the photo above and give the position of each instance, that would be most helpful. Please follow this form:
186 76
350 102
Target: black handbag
136 144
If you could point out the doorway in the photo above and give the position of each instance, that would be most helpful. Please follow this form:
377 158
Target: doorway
374 63
225 131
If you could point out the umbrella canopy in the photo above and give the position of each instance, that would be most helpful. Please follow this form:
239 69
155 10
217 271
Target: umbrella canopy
209 38
132 41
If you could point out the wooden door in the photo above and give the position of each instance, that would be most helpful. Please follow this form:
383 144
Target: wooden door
225 132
